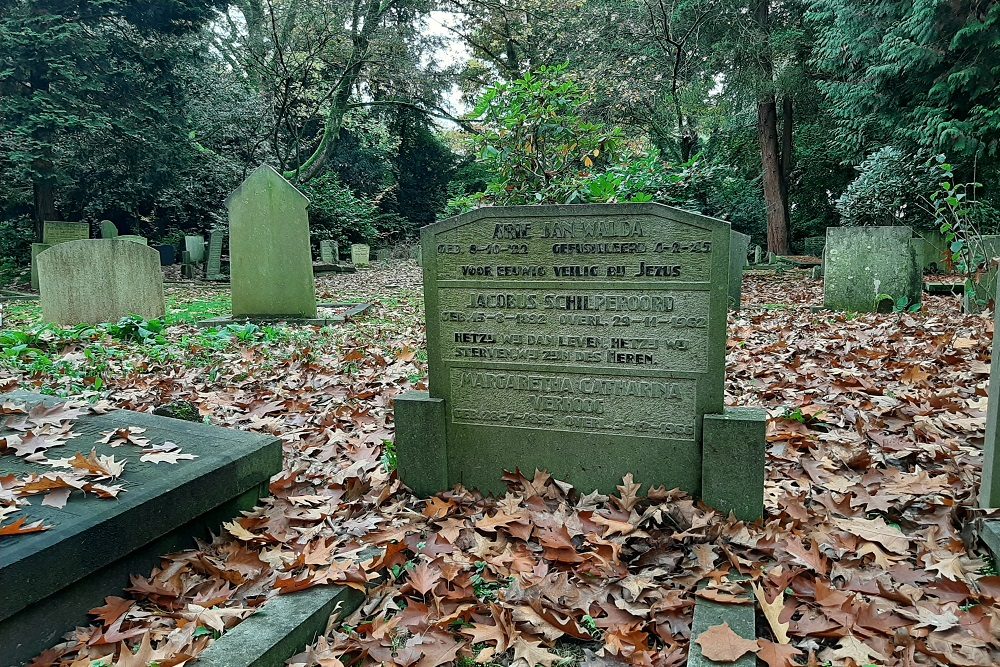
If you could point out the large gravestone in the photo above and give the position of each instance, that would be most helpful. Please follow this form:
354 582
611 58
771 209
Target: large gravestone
738 250
866 265
586 340
213 264
100 280
195 246
360 254
48 580
269 252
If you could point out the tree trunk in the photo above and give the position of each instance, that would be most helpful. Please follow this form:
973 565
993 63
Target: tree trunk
42 167
787 157
45 200
774 195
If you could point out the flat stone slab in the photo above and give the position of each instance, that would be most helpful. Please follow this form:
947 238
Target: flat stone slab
53 577
741 619
350 311
944 288
283 627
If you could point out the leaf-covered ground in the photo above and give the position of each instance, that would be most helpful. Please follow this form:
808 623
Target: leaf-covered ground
867 554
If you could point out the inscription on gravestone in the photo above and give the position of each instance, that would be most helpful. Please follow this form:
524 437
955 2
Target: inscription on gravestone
63 232
213 265
585 340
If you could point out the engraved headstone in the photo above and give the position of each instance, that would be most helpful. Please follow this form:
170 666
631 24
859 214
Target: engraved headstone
269 249
360 254
99 280
62 232
586 340
864 266
108 230
213 265
195 246
738 250
329 251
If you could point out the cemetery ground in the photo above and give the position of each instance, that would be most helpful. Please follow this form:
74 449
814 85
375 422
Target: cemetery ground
867 554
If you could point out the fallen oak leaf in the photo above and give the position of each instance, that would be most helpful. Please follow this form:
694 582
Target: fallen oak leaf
777 655
772 611
19 528
533 654
721 644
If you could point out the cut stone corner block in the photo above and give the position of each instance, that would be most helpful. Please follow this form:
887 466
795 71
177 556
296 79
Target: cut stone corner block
421 442
739 617
733 462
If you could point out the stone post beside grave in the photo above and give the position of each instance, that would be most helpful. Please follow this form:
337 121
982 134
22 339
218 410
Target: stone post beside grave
213 263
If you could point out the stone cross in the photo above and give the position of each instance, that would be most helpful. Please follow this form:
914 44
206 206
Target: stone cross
269 248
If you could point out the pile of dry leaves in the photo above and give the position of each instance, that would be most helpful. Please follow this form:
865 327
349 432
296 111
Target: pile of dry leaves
864 556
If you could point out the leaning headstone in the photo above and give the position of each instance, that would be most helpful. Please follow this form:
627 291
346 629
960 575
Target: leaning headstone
62 232
36 248
52 578
99 280
360 254
195 245
329 251
738 249
586 340
108 230
213 264
134 238
269 251
868 265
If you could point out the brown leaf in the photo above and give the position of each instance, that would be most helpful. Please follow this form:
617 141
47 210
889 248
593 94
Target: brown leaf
721 644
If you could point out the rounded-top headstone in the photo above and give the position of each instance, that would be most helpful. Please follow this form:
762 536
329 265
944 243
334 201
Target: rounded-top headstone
99 280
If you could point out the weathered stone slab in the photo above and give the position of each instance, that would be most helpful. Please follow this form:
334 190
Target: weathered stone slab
348 312
865 263
990 536
360 254
62 232
989 489
99 280
585 340
329 251
52 578
738 249
195 246
108 230
707 614
269 252
213 264
733 462
814 245
134 238
283 627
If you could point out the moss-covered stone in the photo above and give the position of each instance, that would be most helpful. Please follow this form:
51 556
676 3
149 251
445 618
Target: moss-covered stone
866 264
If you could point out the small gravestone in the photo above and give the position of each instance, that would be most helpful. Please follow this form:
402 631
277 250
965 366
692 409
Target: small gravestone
63 232
586 340
134 238
50 579
868 265
360 254
213 264
813 246
195 246
738 249
269 251
758 253
99 280
383 254
108 230
36 248
329 251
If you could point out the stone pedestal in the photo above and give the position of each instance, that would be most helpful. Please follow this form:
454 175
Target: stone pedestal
422 446
733 462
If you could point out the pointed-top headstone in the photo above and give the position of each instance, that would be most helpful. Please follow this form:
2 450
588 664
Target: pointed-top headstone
269 250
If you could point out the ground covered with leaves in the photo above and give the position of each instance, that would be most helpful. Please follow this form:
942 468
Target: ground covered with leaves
867 554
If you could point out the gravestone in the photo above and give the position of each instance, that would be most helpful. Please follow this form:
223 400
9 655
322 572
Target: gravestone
866 265
63 232
586 340
738 249
52 578
195 246
36 248
360 254
108 230
383 254
213 264
329 251
758 254
134 238
99 280
813 246
269 252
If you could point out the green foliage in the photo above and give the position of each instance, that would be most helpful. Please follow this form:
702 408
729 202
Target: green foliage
336 213
886 191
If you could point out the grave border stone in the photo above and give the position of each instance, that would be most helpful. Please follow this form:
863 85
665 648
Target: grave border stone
353 310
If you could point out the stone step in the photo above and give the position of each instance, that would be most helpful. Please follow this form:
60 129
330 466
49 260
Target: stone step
52 578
